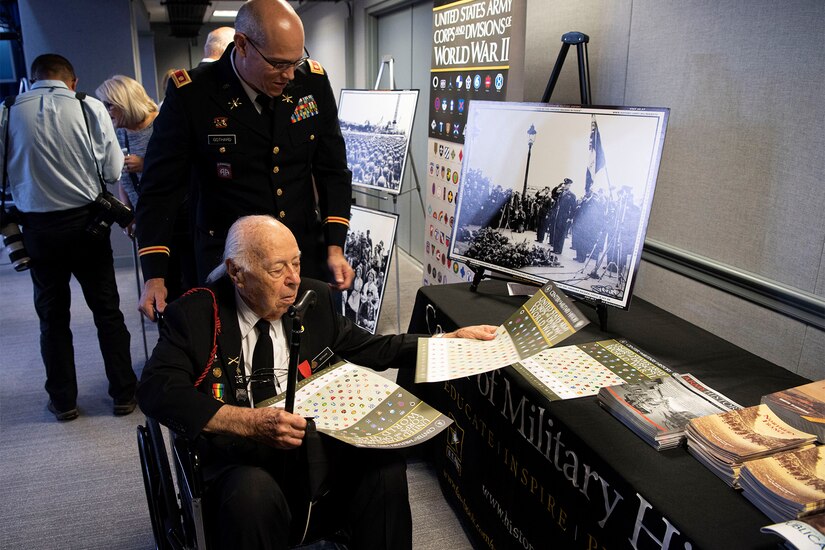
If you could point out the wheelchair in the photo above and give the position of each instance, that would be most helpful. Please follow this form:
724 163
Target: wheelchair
177 511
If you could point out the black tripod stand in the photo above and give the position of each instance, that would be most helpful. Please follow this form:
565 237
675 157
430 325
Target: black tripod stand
580 40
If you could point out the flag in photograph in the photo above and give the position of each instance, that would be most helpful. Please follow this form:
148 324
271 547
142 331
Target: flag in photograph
596 164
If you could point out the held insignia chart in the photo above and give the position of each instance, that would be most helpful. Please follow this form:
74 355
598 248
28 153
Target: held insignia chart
364 409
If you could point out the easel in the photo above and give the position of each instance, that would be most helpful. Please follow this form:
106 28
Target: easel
580 40
390 62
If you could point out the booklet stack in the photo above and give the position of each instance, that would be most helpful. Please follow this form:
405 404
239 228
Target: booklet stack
659 410
788 485
803 407
723 441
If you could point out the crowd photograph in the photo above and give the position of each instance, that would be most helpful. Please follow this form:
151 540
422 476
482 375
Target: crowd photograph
377 126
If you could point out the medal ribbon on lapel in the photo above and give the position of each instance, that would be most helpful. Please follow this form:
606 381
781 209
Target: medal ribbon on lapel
306 108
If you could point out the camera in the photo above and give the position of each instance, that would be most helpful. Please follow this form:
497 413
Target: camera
13 241
108 210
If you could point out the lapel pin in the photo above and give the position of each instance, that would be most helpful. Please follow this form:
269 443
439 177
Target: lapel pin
236 102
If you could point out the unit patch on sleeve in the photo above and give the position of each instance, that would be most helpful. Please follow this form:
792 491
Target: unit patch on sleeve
180 77
306 108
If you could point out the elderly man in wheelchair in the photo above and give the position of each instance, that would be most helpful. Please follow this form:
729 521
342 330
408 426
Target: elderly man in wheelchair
269 479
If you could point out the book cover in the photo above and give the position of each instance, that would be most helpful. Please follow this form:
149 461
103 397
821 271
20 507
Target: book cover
659 410
803 407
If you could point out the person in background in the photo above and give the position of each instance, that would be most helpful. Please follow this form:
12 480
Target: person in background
59 146
216 42
133 113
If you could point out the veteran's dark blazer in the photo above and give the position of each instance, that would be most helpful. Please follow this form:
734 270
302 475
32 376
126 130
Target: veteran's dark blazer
167 389
241 165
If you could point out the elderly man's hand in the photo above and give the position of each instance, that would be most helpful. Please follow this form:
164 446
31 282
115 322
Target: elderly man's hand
475 332
278 428
274 427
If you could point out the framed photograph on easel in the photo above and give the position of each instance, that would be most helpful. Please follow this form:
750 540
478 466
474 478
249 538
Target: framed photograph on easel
560 193
377 125
368 250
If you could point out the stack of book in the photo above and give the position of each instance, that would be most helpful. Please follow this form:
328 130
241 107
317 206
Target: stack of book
723 441
803 407
787 485
658 410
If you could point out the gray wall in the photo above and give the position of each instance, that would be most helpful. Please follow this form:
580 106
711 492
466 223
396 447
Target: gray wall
741 175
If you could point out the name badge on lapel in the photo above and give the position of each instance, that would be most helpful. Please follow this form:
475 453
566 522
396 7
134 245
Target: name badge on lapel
222 139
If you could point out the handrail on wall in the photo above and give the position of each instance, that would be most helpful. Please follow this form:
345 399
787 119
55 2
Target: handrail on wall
792 302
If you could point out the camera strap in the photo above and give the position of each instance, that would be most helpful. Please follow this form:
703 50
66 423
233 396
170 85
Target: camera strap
8 103
80 97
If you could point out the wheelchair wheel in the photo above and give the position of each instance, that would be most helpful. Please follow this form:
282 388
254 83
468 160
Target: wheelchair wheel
151 484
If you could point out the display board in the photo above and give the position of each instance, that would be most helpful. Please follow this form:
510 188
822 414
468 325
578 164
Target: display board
561 193
377 125
368 250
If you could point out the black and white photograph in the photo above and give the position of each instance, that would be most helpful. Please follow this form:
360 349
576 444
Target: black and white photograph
559 193
368 250
377 125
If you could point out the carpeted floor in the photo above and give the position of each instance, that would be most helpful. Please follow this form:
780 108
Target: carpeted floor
78 485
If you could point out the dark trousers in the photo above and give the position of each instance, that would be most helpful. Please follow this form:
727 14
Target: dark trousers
368 504
60 247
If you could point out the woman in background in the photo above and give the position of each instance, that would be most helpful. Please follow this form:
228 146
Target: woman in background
133 113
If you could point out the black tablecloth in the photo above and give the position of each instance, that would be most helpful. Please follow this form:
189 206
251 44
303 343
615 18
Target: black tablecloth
694 507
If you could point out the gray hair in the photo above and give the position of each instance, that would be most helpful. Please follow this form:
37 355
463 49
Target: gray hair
239 244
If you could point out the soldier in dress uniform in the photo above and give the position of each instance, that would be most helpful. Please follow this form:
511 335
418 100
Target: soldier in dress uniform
259 130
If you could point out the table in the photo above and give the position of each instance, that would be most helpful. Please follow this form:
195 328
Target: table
524 472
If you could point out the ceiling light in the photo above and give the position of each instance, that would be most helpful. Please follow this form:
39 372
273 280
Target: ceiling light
225 13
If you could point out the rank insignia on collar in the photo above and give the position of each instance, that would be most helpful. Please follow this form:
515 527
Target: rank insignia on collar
220 122
217 372
236 102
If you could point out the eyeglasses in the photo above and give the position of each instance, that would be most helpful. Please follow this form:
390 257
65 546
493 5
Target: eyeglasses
280 66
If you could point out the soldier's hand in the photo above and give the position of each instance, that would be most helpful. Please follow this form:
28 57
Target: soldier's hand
153 298
342 272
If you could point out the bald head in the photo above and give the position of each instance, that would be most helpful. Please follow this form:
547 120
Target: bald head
263 261
269 43
263 20
217 41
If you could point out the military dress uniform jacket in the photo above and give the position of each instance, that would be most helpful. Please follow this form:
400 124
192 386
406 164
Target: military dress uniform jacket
185 382
241 165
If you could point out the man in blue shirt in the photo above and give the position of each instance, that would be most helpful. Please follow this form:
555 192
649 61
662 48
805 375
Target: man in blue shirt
55 143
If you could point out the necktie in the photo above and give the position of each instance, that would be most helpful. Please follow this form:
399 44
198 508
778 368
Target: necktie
263 363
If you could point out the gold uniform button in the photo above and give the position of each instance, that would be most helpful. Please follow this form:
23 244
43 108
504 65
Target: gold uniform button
222 149
276 170
276 150
312 137
282 214
279 192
